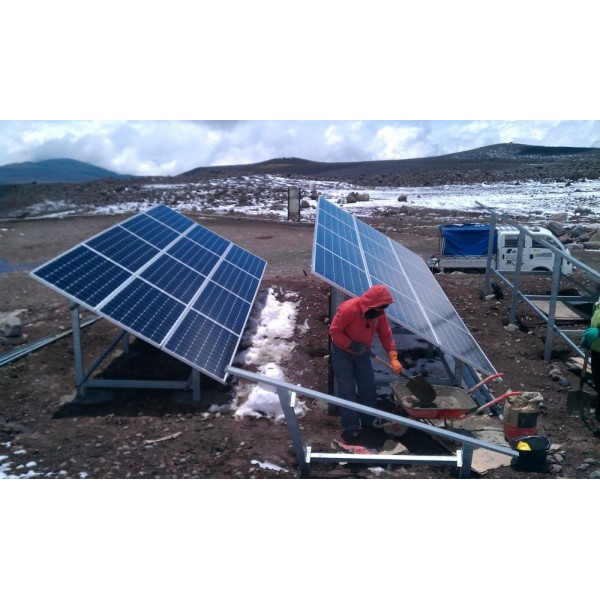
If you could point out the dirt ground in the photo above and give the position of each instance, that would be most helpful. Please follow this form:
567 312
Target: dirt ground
163 434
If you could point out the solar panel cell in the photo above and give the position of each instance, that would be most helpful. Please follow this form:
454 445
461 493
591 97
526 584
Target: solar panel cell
346 275
195 256
123 247
200 340
247 262
172 219
83 275
145 310
153 232
208 240
223 307
237 281
173 277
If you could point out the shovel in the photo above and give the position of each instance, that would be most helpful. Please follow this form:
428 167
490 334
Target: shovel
418 385
579 401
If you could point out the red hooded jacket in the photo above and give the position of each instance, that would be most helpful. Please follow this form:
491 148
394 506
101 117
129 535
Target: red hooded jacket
350 324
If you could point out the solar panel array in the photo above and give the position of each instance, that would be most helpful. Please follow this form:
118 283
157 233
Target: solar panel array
167 280
353 256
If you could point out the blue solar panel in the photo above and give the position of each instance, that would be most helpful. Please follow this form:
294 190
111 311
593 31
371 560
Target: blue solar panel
222 306
353 257
151 230
239 282
168 280
171 218
143 309
247 262
123 247
83 274
197 257
200 340
174 278
209 240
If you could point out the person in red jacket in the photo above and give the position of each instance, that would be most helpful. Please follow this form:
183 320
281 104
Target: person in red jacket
352 331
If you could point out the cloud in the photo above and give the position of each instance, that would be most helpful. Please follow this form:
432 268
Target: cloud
165 147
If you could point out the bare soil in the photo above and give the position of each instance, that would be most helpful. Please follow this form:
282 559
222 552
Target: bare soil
163 434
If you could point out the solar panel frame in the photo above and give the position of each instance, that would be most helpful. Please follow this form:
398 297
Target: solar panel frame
364 257
158 272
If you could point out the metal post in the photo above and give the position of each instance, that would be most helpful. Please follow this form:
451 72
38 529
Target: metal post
458 370
464 471
513 307
196 393
77 350
294 203
552 308
287 399
490 256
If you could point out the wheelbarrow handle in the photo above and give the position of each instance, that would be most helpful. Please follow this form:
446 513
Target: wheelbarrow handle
492 402
484 381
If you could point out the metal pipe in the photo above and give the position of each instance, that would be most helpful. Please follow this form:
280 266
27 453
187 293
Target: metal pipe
22 351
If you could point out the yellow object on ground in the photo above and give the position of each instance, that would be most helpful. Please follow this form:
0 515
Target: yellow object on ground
521 445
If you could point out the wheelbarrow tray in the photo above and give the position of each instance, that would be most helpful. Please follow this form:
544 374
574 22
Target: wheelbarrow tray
451 403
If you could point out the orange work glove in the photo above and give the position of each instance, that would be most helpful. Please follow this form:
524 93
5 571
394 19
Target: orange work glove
396 364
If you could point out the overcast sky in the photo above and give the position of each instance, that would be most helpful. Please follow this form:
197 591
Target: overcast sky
175 146
335 60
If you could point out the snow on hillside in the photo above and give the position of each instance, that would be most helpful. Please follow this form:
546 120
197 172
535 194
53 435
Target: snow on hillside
265 195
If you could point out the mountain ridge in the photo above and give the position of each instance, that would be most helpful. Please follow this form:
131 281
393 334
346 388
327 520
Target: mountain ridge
55 170
497 162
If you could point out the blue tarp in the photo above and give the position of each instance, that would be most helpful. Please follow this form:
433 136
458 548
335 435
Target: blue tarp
465 240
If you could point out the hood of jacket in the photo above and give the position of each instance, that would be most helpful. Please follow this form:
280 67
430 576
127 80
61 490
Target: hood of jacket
374 297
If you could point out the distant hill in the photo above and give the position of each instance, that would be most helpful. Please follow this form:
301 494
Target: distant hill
56 170
498 162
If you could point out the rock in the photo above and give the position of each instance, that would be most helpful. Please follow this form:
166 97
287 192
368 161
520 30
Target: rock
11 327
595 475
556 228
554 372
357 197
560 217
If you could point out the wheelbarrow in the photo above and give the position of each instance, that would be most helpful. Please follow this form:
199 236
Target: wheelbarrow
451 403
